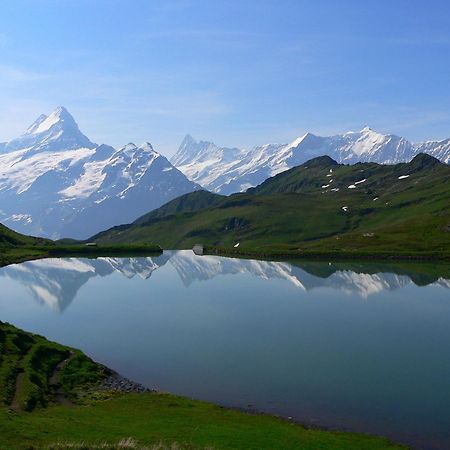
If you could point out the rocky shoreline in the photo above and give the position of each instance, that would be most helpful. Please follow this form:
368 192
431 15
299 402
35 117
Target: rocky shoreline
116 382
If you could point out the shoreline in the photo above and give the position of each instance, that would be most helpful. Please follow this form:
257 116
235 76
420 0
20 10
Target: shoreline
17 255
124 386
77 376
325 256
134 388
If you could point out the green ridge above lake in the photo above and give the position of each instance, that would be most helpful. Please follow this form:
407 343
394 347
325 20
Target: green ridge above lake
318 207
16 247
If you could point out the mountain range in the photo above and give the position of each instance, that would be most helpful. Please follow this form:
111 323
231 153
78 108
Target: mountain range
228 170
55 182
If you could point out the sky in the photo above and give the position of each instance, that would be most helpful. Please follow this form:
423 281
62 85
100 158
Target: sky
239 73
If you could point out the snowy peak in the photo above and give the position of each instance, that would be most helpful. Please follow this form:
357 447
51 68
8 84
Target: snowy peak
187 140
189 150
55 132
296 142
131 152
368 141
128 148
148 148
375 136
59 116
55 182
438 149
370 134
188 143
366 130
306 142
186 151
35 125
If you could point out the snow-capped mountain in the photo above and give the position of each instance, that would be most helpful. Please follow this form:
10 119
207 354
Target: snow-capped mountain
226 171
438 149
205 161
56 282
55 182
58 131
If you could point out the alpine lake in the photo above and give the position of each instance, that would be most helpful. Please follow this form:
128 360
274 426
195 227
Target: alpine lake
354 345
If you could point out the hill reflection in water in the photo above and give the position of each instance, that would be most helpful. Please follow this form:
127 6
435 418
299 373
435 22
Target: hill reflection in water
56 282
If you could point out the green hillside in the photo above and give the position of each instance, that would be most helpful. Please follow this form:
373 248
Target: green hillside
27 363
184 204
16 247
318 207
9 238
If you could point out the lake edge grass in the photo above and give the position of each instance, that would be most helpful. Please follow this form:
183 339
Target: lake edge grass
287 254
149 418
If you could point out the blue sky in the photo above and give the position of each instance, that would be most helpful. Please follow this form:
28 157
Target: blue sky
239 73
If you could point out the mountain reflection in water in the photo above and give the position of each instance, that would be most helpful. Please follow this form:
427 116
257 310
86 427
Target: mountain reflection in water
361 346
56 282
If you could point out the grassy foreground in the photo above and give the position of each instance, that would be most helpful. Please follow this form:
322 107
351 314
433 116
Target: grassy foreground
32 416
153 418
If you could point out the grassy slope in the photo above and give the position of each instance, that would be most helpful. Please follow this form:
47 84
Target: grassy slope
16 247
9 238
292 212
149 418
36 358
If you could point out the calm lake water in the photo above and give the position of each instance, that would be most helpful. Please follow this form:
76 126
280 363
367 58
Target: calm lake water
353 346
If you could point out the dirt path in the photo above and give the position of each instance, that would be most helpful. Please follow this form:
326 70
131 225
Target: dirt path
54 386
15 405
